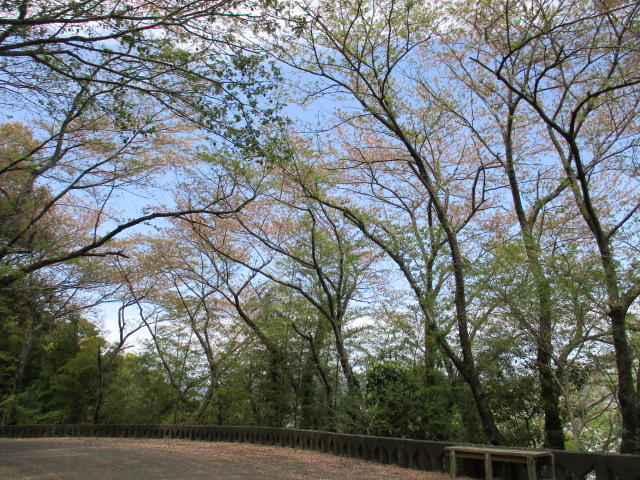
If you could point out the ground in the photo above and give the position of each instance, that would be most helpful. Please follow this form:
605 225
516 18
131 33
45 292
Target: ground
147 459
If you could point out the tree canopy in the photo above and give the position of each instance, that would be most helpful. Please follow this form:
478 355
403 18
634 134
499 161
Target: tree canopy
376 217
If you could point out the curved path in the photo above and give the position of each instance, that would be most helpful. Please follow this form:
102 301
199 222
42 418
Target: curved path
147 459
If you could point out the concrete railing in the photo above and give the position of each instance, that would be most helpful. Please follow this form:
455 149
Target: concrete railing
416 454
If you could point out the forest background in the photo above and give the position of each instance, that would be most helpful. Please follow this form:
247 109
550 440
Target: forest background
378 217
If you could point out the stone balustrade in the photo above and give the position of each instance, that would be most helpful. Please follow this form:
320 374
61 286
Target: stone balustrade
418 454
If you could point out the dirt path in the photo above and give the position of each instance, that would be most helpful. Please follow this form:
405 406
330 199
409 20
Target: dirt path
146 459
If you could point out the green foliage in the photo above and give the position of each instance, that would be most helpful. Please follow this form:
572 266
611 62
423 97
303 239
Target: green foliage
60 374
70 394
513 388
137 392
403 401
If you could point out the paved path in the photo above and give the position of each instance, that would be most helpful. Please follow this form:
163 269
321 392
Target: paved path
148 459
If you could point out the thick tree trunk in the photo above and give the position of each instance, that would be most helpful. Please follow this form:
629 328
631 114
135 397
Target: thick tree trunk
553 426
486 415
353 385
206 401
618 306
549 396
626 390
322 375
469 370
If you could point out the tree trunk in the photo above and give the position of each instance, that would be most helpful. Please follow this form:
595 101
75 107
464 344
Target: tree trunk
549 397
24 355
100 393
324 379
553 427
468 369
626 391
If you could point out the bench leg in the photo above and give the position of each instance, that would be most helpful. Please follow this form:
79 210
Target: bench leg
488 467
531 468
454 465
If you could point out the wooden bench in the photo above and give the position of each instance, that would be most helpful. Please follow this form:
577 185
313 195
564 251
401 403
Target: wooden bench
530 458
